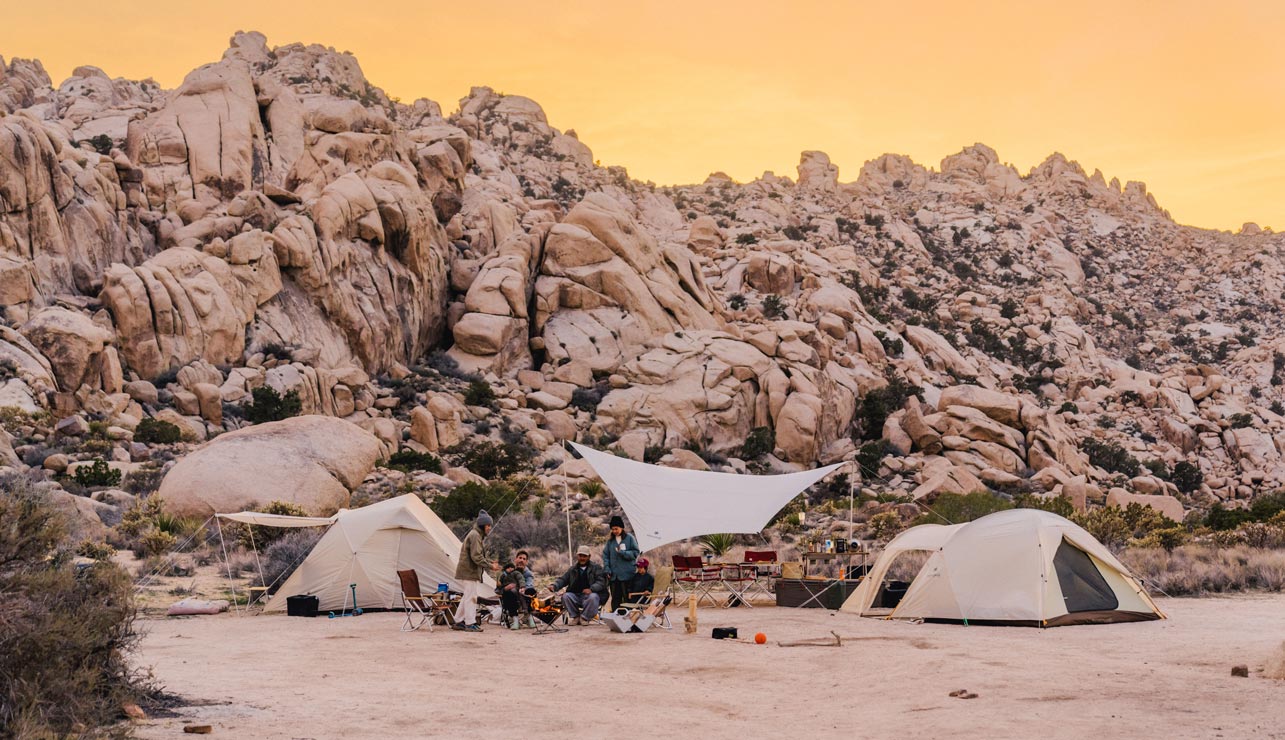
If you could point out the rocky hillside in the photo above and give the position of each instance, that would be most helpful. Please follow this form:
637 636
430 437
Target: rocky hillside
279 222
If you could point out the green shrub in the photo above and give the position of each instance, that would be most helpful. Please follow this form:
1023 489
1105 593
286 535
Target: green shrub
868 457
479 393
879 403
653 453
1111 457
1068 408
884 526
736 301
99 473
773 307
65 633
1187 477
760 441
409 461
156 431
95 550
262 537
954 508
1242 421
1060 504
587 399
268 405
462 503
592 488
747 239
492 460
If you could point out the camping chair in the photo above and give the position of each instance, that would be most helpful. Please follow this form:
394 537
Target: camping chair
427 608
694 578
738 579
640 617
664 586
767 570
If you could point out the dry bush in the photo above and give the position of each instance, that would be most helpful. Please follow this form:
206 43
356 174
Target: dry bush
1193 570
64 631
281 557
907 565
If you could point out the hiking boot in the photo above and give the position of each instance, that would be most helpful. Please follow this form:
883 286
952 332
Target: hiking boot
577 622
514 624
473 628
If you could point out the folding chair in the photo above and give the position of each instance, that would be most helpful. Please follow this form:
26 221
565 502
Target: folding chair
426 608
664 586
738 579
640 617
766 569
694 578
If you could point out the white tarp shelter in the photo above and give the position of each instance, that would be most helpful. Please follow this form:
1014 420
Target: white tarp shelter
1021 566
669 504
367 546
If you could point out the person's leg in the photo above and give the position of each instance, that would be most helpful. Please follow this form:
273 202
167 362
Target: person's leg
467 613
570 606
590 609
617 593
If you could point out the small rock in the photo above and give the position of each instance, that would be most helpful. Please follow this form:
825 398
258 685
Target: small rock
1240 671
199 729
133 711
72 426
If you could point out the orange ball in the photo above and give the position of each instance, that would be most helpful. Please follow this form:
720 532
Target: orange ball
760 638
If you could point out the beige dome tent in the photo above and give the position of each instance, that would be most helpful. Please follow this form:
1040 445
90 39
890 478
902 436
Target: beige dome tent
367 546
1021 566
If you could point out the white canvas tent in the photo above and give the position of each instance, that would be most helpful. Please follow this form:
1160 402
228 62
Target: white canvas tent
669 504
1021 566
367 546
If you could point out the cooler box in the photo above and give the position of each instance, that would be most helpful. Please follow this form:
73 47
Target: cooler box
301 606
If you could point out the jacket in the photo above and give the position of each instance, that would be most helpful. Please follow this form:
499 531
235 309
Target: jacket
597 578
472 557
514 577
640 583
620 563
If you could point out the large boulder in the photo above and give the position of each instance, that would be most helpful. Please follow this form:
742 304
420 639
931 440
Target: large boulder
72 342
311 461
1001 407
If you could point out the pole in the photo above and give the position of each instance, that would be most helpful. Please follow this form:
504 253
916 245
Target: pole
566 509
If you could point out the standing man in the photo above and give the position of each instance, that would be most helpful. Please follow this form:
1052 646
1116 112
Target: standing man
585 584
469 572
618 557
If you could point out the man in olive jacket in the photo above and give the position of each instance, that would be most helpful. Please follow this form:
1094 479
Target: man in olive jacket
468 572
586 584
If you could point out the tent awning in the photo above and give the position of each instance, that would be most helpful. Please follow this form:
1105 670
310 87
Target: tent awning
669 504
276 520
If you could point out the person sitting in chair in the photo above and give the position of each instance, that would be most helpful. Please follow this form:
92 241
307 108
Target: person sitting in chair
585 584
510 589
526 591
640 586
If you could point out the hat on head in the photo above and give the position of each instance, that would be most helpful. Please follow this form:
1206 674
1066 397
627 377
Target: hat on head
642 563
616 521
583 550
484 519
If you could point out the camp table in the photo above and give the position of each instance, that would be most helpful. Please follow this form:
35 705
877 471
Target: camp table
845 572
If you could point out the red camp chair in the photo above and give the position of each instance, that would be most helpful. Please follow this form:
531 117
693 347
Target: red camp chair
694 578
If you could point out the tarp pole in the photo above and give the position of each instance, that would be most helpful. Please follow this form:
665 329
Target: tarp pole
566 509
227 563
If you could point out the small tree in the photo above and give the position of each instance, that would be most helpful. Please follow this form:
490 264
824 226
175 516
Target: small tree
1187 477
479 393
156 431
760 441
98 473
269 405
773 307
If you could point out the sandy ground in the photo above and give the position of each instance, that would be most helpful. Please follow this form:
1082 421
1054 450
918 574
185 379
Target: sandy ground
281 677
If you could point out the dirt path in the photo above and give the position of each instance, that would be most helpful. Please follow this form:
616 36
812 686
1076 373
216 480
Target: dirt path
277 677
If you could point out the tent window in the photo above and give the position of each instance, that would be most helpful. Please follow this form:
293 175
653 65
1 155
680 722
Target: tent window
1083 587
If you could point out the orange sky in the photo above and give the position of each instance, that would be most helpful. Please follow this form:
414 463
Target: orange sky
1188 99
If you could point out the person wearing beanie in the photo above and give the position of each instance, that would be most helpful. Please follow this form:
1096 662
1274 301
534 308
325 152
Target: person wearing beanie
618 557
468 572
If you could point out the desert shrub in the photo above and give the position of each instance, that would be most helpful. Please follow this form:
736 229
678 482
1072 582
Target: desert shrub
65 632
479 393
879 403
1106 524
592 488
144 480
1111 457
1267 507
409 460
156 431
759 442
528 531
587 399
268 405
773 307
1187 477
954 508
736 301
653 453
491 460
1157 468
1068 408
444 364
95 550
1193 570
156 542
1060 504
280 558
1242 420
261 537
717 544
747 239
1221 519
868 457
462 503
884 526
98 473
102 144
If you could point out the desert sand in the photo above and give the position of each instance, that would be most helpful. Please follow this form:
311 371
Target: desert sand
281 677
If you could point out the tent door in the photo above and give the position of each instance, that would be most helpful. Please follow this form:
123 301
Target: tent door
1083 587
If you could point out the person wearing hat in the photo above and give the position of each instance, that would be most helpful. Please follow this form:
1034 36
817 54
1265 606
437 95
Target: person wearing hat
618 557
640 586
468 572
585 584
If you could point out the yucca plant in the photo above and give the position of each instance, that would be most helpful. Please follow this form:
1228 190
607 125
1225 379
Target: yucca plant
717 544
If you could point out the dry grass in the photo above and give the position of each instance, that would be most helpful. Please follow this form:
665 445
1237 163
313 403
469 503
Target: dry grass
1194 570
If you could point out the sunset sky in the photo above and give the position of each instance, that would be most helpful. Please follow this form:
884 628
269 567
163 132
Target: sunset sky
1187 98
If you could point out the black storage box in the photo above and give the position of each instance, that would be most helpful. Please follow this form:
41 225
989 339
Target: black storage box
723 633
301 605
